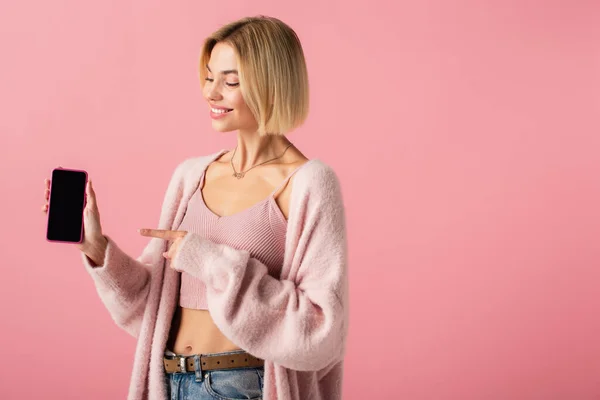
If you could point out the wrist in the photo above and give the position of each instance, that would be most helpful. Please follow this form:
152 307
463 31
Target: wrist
97 250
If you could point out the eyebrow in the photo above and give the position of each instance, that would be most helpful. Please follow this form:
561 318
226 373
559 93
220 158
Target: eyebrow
226 72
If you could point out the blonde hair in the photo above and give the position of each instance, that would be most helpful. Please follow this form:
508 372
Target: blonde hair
272 71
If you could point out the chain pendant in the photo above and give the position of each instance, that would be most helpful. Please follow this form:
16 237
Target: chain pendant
240 175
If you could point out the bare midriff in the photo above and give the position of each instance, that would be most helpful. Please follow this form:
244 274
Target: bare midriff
194 332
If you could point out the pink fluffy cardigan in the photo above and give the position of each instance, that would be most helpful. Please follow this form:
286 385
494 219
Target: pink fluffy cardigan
297 323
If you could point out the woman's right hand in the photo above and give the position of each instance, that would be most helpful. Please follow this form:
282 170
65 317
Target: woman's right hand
94 243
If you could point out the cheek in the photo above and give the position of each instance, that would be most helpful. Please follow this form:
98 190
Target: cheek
243 113
236 100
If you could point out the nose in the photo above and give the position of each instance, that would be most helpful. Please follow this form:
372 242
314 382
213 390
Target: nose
212 91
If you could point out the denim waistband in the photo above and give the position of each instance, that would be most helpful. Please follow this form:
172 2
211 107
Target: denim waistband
198 368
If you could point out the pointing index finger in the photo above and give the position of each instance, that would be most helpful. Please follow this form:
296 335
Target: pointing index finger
161 233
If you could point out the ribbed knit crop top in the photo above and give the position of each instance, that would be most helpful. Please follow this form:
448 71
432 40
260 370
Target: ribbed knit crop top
259 229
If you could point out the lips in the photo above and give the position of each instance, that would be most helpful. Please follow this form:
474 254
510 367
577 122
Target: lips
219 108
216 113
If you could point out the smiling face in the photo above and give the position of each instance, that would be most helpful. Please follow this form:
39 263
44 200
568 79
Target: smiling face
223 93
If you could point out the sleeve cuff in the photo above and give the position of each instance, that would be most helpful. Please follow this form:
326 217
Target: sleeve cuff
114 270
213 263
188 259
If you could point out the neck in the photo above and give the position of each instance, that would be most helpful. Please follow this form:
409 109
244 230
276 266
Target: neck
253 149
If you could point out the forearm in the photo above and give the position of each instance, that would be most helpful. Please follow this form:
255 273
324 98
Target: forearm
96 252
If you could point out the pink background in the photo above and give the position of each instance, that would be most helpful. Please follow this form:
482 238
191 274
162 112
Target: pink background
465 134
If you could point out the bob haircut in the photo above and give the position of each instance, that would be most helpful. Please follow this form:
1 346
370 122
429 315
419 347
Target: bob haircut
272 71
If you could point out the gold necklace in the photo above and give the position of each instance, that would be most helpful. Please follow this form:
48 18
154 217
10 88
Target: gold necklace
240 175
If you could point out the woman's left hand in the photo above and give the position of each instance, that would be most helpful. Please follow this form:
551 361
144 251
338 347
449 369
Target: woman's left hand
175 236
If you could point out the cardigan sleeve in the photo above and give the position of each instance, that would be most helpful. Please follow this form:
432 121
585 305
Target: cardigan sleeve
300 324
123 282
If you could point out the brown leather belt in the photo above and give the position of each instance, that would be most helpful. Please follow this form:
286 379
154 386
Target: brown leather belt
181 364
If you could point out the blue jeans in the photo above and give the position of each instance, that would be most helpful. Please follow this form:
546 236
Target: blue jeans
219 384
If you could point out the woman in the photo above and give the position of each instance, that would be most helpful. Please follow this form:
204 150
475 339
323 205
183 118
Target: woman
241 292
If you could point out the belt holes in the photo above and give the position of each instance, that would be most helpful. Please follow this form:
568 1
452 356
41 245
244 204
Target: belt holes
232 360
203 363
218 362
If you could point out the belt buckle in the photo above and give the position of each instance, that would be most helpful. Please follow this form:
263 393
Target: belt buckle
180 362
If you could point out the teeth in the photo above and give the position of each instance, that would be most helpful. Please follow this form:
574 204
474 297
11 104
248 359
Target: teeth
219 111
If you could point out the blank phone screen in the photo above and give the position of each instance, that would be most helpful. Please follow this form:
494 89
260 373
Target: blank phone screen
67 200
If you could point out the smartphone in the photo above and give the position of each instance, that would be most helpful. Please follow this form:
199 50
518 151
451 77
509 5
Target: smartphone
66 204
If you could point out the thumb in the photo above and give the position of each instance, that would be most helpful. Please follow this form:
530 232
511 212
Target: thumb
91 195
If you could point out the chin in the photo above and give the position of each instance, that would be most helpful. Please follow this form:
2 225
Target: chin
223 128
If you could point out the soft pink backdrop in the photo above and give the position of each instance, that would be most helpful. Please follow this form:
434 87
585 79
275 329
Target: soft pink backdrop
466 136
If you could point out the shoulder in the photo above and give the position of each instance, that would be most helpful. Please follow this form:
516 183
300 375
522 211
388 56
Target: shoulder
317 198
316 176
317 186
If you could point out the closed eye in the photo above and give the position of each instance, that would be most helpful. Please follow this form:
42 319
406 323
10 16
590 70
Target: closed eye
227 83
